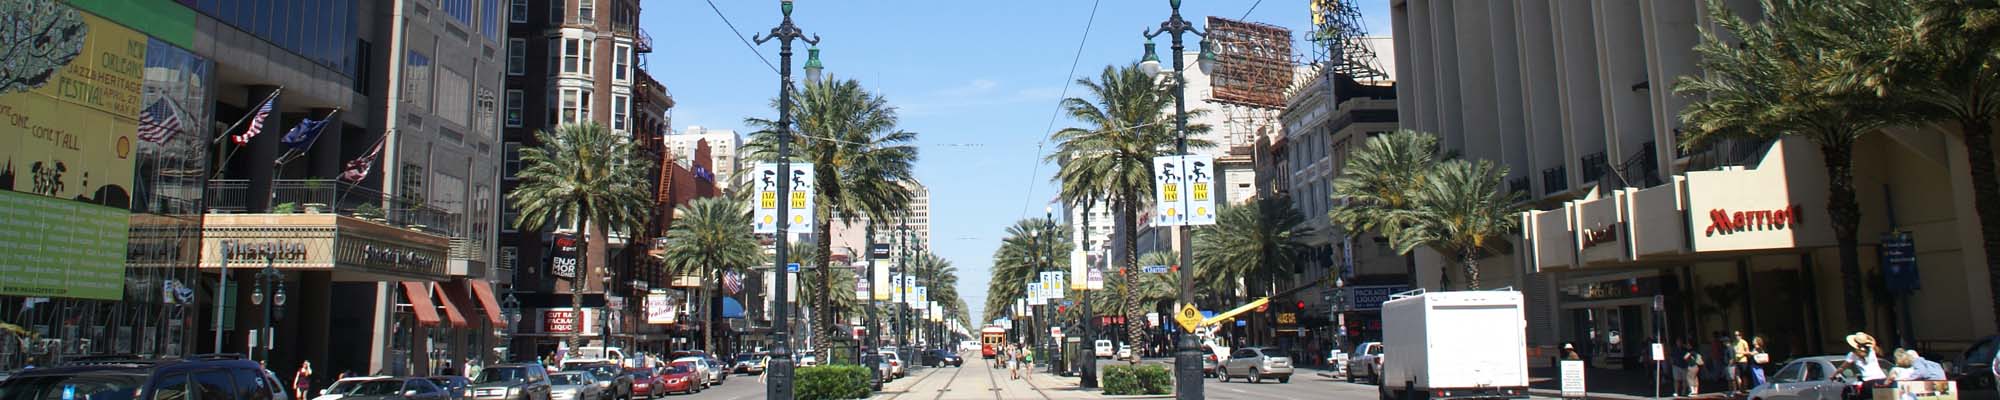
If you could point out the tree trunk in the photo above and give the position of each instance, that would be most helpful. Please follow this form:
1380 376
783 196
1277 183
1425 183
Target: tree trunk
708 308
1845 213
823 306
576 283
1471 269
1985 196
1135 330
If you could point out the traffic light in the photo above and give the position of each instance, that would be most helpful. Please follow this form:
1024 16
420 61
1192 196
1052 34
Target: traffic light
1302 305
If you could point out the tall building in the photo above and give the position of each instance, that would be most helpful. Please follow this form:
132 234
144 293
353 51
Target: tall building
724 144
580 61
850 239
1631 236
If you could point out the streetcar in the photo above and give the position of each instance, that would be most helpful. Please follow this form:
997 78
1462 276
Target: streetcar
990 340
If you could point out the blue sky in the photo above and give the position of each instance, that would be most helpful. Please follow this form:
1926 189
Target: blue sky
978 80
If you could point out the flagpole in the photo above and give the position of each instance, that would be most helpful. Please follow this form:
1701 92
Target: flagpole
220 167
294 154
337 200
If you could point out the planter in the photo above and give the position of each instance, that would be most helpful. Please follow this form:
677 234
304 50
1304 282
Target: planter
315 208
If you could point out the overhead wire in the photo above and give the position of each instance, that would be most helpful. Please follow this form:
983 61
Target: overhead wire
1068 78
739 36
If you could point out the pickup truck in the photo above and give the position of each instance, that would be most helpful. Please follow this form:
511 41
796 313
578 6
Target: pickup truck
1454 345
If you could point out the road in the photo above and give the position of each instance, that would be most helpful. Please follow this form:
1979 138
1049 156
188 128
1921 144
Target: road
980 381
737 387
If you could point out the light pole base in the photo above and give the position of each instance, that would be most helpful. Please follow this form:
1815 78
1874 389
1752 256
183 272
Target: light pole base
1187 369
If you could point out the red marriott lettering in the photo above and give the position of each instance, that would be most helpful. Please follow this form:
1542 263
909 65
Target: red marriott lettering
1723 222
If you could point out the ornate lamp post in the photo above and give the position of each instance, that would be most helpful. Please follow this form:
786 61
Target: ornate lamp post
780 369
1187 354
1054 347
871 345
267 278
901 322
510 308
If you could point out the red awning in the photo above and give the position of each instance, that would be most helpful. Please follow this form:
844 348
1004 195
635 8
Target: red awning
419 295
451 311
483 292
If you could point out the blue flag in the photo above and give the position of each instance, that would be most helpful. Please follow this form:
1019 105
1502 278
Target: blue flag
301 136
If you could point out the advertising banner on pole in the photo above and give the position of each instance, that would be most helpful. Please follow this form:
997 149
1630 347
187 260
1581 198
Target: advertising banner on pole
1184 192
800 202
660 309
880 278
1096 279
1035 293
1078 263
918 301
896 288
1056 289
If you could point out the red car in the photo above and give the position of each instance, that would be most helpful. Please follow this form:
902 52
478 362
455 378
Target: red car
646 384
680 377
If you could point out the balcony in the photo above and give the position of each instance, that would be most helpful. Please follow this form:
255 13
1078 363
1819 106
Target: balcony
1555 180
1594 165
1519 184
232 196
642 42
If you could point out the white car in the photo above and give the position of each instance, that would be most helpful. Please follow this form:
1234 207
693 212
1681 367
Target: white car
895 364
1103 348
1124 352
701 369
341 387
1366 360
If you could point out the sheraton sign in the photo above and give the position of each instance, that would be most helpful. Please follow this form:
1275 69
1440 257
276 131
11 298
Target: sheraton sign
1724 222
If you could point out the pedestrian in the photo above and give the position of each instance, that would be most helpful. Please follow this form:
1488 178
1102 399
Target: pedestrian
1014 362
1739 362
1691 356
302 381
1679 367
1569 352
1863 359
1759 359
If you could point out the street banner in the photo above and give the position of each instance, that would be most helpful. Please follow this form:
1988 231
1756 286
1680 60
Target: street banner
660 310
562 257
1183 192
1079 263
918 301
880 277
1096 279
1057 287
909 289
1035 293
800 202
896 288
861 289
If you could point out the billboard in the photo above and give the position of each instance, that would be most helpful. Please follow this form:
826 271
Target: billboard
1253 62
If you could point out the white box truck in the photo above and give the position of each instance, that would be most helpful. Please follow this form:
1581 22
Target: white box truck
1454 345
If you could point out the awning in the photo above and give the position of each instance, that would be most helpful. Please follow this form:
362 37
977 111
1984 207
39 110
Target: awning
731 308
451 311
419 296
483 292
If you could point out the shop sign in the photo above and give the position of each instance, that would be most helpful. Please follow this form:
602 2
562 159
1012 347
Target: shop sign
1601 235
562 261
399 258
1288 318
560 321
1724 221
660 308
251 251
1370 298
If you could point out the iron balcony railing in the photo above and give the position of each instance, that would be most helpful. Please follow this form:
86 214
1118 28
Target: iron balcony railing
1518 184
1593 166
1555 180
332 196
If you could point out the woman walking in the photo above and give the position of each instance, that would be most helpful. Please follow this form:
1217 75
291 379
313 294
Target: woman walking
1758 360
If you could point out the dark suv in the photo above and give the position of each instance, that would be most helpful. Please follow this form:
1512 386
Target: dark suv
511 382
202 377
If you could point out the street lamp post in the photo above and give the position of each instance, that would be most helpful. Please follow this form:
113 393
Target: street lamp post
1187 355
268 278
1054 348
604 317
780 368
901 321
1088 328
870 347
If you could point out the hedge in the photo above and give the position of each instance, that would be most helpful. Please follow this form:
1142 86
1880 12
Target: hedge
1135 380
833 382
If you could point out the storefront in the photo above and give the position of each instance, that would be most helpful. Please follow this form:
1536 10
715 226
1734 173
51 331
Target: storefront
1750 250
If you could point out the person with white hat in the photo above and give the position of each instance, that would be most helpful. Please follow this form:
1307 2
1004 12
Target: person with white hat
1862 357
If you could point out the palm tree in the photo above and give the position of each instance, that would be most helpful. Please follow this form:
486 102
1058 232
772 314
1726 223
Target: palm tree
1261 240
1772 81
711 236
1463 211
1380 182
860 161
1021 255
583 174
1114 155
1936 56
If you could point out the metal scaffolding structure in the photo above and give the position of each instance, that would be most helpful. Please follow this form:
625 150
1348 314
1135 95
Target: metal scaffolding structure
1341 41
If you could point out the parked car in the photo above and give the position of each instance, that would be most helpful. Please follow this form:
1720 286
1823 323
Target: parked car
397 389
609 377
645 383
896 366
340 388
942 357
458 387
1366 360
807 360
888 369
575 385
720 370
1124 351
1209 362
679 377
1337 360
125 377
1103 348
1974 366
1812 378
1257 363
701 373
511 382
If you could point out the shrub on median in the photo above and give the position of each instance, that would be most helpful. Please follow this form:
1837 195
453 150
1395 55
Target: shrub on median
833 382
1134 380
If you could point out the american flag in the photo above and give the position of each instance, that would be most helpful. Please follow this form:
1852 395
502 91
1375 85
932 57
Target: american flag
158 123
732 282
357 169
256 123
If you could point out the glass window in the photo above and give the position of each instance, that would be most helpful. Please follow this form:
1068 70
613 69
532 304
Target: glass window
514 103
586 11
1792 373
587 50
251 386
570 103
214 384
517 11
572 51
621 62
555 53
555 12
1815 372
618 111
489 19
583 109
517 56
171 387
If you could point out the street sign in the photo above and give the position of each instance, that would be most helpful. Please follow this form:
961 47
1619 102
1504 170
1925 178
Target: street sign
792 267
800 205
1899 262
1572 379
1153 269
1188 317
1055 331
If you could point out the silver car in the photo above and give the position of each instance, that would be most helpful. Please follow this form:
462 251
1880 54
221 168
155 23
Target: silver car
575 385
1812 378
1366 360
1256 363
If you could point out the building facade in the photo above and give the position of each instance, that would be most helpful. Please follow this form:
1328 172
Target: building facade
723 144
1632 237
1327 118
